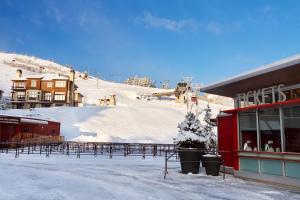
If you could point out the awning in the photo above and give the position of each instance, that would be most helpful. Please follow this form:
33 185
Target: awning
286 71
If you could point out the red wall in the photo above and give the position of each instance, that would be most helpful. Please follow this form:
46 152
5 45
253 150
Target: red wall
8 131
228 139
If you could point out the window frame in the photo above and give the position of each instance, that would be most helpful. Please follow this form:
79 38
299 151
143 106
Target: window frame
33 83
60 84
59 94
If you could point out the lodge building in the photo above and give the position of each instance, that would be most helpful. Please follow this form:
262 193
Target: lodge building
260 137
44 91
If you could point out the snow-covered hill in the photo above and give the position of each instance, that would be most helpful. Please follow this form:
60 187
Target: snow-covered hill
131 120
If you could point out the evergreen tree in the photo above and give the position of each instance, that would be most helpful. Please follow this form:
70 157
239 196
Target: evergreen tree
190 133
208 128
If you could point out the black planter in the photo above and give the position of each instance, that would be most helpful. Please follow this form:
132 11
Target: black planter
190 159
212 164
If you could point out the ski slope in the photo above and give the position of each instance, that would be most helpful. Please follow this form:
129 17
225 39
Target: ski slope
131 120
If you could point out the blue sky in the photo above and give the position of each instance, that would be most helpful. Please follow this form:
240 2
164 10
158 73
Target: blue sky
164 39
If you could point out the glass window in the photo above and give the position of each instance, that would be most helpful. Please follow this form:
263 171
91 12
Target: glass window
248 131
60 83
60 96
269 125
20 95
33 83
19 84
33 95
47 96
49 84
291 117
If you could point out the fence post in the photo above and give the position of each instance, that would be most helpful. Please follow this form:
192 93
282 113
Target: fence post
125 149
95 149
144 152
166 164
68 148
47 150
17 152
78 151
110 151
28 148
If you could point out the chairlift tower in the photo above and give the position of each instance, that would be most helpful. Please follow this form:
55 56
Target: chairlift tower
97 75
165 84
196 88
188 81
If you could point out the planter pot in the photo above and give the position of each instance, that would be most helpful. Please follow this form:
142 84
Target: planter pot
190 159
212 164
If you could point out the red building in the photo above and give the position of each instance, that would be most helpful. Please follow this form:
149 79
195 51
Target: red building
260 137
27 129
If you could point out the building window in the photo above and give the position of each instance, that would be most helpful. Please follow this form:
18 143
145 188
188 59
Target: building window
47 96
19 84
291 118
248 130
269 126
60 96
60 84
49 84
33 83
21 95
33 95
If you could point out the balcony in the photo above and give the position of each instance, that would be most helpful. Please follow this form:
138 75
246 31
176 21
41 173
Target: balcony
33 99
18 87
18 99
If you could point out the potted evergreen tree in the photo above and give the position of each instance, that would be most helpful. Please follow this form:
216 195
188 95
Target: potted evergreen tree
210 161
191 143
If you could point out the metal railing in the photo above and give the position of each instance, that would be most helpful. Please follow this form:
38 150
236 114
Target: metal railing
87 148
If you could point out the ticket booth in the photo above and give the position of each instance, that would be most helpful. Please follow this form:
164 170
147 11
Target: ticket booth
260 137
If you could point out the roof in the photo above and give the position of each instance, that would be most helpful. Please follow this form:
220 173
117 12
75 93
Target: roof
31 118
54 77
46 77
79 94
285 71
19 79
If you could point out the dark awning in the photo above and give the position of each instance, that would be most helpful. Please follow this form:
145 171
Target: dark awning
286 71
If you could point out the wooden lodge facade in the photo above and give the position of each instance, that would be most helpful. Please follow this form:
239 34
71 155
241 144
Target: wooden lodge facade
39 91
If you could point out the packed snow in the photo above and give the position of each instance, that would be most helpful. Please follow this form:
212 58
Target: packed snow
131 120
61 177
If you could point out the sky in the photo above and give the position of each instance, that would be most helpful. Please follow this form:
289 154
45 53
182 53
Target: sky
164 39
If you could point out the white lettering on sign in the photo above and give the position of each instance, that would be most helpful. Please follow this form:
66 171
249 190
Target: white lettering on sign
262 96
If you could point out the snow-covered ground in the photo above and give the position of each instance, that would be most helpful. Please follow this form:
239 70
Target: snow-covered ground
34 177
131 120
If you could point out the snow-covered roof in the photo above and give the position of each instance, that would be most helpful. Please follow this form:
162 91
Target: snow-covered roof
54 77
46 77
20 79
275 66
30 118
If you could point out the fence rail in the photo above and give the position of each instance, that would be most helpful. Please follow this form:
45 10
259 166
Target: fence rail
87 148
